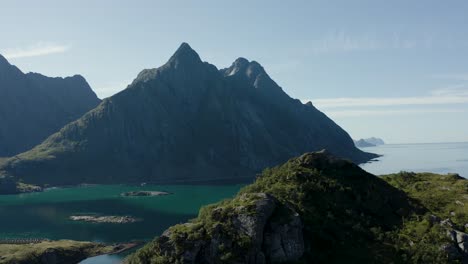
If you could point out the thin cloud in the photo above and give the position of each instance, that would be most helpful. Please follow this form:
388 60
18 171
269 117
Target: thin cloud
380 106
450 95
455 90
397 101
39 49
342 42
110 89
457 76
360 113
337 41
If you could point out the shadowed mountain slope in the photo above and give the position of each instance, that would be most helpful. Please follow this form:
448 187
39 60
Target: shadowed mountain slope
33 106
185 121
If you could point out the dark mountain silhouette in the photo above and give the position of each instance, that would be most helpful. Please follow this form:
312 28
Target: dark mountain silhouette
33 107
185 121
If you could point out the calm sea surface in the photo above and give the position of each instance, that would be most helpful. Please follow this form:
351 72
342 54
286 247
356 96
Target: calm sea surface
46 214
437 158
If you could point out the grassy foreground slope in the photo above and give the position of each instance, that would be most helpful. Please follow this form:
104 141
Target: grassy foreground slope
61 251
320 209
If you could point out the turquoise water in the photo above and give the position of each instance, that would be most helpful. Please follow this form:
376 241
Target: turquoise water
437 158
46 214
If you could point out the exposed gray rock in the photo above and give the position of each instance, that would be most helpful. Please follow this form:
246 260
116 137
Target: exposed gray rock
283 240
458 250
254 224
272 231
446 222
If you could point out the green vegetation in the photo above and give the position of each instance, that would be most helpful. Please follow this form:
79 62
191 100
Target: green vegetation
349 215
62 251
444 195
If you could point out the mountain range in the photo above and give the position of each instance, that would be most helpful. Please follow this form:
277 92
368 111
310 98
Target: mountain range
185 121
33 106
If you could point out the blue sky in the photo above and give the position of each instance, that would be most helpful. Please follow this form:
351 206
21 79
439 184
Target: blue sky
391 69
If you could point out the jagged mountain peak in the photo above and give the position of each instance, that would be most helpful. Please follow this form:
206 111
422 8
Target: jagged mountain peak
185 62
244 67
184 55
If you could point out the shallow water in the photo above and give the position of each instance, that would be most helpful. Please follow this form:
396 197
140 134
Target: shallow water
46 215
437 158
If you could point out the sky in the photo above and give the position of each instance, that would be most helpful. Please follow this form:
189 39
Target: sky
396 69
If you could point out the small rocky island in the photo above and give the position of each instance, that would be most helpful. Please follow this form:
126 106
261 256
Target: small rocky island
111 219
8 185
145 193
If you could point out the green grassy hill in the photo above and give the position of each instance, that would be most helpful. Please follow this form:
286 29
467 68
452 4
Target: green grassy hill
320 209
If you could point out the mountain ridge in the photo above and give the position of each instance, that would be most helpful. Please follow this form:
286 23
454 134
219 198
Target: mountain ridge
182 120
34 106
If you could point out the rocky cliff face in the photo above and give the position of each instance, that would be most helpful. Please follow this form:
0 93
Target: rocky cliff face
251 232
185 121
33 107
254 228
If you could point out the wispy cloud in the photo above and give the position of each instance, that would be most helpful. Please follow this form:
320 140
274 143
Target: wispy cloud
38 49
338 41
460 90
456 76
453 99
360 113
109 89
449 95
369 101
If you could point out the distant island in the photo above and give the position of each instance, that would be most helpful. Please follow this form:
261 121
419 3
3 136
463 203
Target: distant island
368 142
145 193
112 219
9 185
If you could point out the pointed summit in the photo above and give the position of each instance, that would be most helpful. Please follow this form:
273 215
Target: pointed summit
184 55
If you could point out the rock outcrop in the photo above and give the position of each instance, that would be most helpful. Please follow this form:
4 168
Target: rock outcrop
250 230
